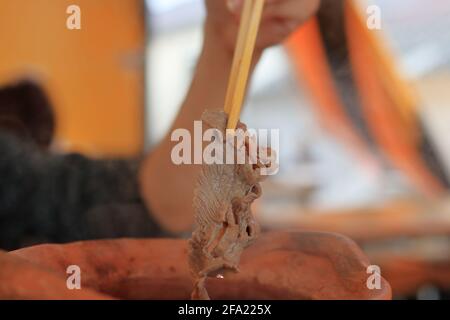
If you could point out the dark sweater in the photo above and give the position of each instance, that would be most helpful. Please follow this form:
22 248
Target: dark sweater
64 198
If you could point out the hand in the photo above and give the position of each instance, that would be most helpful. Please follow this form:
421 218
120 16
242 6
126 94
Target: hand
280 19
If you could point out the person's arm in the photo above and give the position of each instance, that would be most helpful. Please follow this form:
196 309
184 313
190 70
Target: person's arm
166 188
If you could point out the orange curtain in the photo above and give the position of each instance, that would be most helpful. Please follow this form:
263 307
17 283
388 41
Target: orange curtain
395 135
310 62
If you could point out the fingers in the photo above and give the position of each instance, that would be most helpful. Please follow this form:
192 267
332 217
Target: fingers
297 11
235 6
273 32
280 18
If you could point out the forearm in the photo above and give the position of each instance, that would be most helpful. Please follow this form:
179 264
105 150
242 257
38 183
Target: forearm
168 189
209 84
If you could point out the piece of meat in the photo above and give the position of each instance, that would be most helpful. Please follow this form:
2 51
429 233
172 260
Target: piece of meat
224 222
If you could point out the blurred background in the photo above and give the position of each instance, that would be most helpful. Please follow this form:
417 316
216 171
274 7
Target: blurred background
363 114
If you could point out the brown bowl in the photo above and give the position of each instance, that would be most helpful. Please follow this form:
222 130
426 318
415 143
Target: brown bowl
281 265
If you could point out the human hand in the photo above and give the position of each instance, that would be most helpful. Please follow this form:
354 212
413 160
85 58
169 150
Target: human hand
279 20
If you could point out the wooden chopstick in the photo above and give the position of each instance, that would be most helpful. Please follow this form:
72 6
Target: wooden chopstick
239 49
237 85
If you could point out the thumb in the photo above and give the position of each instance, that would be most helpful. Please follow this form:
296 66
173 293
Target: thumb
235 6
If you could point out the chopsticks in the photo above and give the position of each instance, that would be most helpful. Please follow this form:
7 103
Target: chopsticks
242 60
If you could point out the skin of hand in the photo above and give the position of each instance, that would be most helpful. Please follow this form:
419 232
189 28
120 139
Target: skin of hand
168 189
280 18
